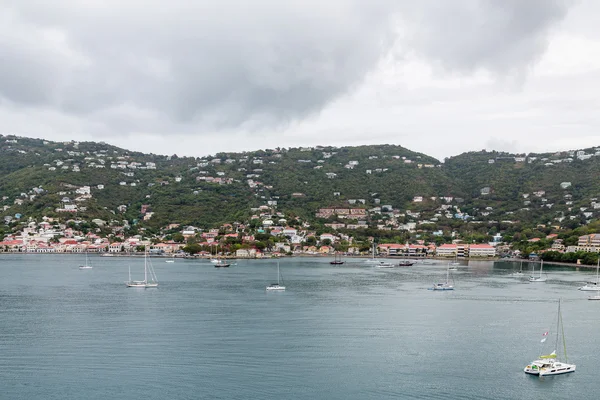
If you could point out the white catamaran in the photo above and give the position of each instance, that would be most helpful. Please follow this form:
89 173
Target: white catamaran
149 281
549 364
279 285
539 278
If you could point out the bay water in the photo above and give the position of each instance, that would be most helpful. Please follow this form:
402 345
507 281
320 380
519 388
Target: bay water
338 332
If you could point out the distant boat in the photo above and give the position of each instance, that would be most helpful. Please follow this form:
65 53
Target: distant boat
444 285
406 263
549 364
519 273
589 286
455 262
539 278
149 281
171 260
385 264
336 260
221 264
87 263
372 260
279 285
452 267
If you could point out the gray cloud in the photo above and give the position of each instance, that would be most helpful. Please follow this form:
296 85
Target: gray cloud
199 66
503 37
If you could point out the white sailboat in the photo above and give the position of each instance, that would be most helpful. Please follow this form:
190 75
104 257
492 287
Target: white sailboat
279 285
87 263
519 273
539 278
372 260
443 285
149 281
549 364
384 264
592 286
455 262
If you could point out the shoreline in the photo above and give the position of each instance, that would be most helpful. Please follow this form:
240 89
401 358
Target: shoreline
365 256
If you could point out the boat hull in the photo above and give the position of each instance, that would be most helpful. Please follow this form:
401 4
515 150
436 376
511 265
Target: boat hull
275 288
590 288
534 280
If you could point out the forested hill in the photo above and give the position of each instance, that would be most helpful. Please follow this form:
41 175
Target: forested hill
395 185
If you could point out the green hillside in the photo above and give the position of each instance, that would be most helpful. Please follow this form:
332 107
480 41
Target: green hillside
484 189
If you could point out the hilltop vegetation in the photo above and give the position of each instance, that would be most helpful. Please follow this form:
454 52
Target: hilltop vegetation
475 194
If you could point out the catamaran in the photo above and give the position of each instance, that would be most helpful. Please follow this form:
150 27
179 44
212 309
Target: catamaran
279 285
87 263
444 285
149 281
549 364
539 278
589 286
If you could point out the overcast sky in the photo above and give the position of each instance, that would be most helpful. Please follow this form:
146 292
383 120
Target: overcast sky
197 77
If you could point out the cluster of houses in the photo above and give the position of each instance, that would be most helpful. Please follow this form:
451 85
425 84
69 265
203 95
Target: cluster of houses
557 158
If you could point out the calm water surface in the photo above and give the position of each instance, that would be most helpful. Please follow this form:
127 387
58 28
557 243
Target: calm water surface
338 332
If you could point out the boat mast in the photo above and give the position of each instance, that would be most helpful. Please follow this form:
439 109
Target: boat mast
277 272
146 265
562 328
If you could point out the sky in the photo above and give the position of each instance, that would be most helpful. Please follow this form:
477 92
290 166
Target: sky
199 77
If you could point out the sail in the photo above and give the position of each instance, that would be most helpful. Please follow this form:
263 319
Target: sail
552 355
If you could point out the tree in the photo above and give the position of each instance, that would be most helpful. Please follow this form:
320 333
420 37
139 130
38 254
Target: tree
178 238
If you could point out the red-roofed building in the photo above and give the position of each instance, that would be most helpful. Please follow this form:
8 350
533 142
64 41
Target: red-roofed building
482 250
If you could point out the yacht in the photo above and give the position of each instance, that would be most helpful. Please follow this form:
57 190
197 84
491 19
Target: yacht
87 264
372 260
592 286
149 281
405 263
539 278
384 264
279 285
444 285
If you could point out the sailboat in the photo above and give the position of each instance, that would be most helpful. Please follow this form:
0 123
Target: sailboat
455 262
549 364
539 278
279 285
372 260
87 263
336 260
149 281
444 285
589 286
519 273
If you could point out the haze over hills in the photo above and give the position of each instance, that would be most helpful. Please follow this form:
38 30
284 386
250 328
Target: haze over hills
398 189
